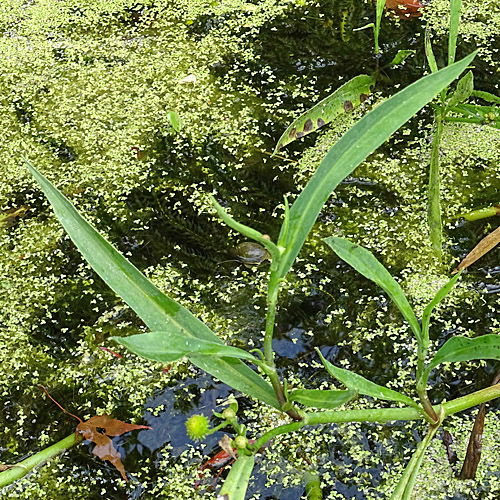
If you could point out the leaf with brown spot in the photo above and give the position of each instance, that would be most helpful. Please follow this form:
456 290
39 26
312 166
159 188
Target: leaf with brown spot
348 106
484 246
345 98
98 429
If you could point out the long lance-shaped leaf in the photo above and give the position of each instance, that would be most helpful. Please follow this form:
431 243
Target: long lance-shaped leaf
236 483
486 96
170 345
359 384
406 484
464 349
158 311
440 295
365 263
378 19
431 60
318 398
344 99
474 113
353 147
454 23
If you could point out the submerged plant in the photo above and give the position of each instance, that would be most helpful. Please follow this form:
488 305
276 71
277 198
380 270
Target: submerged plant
176 333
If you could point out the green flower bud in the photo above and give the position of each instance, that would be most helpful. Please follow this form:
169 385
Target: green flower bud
240 442
197 426
228 414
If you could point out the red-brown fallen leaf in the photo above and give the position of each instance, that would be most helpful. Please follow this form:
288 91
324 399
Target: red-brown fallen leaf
98 428
404 9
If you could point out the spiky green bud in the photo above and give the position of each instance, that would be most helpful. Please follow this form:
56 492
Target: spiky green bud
197 426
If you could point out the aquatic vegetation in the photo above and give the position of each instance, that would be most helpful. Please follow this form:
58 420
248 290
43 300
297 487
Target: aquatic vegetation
452 107
176 333
344 99
52 330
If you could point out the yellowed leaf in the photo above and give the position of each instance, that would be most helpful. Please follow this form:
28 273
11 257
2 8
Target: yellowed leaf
484 246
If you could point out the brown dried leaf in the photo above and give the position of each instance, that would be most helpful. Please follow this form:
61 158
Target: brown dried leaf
225 444
4 467
475 445
484 246
98 428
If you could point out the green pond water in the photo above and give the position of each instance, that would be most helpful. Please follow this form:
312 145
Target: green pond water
85 91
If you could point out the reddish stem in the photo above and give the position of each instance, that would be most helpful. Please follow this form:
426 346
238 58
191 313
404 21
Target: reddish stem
53 400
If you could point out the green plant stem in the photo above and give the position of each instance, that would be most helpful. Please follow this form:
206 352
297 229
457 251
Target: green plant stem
474 399
380 415
422 354
429 409
272 298
434 206
457 119
22 468
335 416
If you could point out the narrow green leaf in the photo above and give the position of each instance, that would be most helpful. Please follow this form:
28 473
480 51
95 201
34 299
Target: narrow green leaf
175 120
434 189
365 27
459 349
236 483
365 263
172 344
464 89
486 96
378 20
454 23
404 488
429 54
357 383
318 398
152 306
440 295
401 56
482 213
487 115
344 99
361 140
